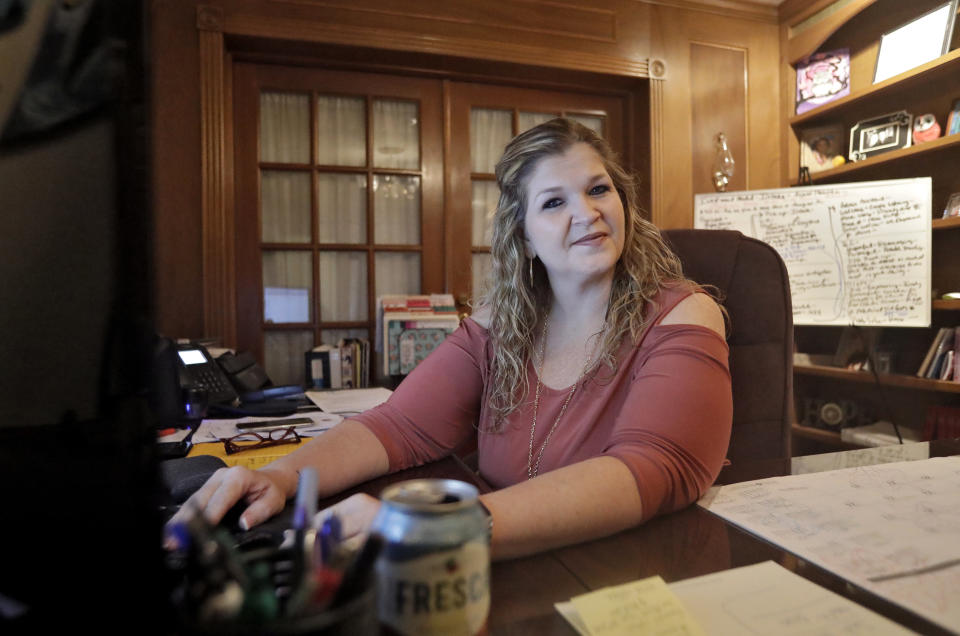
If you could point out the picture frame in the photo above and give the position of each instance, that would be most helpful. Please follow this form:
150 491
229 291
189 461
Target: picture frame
916 42
821 78
882 134
953 206
819 146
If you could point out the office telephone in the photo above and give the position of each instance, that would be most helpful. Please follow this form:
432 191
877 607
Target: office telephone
230 385
198 370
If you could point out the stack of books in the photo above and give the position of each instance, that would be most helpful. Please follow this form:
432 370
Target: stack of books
345 365
943 356
409 328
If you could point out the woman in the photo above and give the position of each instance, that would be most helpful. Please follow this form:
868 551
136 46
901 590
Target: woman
594 374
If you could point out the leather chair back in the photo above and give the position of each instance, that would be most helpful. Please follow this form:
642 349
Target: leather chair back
752 281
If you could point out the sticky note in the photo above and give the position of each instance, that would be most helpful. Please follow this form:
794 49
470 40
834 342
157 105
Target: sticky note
640 607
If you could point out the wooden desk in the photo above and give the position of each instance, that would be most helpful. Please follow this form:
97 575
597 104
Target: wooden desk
688 543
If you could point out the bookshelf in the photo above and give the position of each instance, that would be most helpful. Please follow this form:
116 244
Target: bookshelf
929 88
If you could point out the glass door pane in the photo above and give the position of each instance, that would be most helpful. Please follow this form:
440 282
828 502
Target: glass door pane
341 131
396 134
287 287
490 130
284 207
284 127
396 205
341 208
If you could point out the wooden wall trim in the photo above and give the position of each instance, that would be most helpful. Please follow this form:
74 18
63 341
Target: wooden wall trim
726 8
217 241
656 152
347 35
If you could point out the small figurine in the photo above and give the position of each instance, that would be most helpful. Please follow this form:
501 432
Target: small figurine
925 128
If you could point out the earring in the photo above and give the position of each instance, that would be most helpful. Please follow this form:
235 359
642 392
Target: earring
531 272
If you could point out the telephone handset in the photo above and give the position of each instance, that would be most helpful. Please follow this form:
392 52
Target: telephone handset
199 370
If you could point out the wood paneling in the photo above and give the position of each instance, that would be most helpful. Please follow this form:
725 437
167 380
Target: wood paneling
718 88
561 44
673 32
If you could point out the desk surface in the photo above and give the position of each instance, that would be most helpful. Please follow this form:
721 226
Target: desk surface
688 543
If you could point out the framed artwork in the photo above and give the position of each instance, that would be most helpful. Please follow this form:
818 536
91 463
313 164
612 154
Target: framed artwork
880 134
819 146
821 78
916 42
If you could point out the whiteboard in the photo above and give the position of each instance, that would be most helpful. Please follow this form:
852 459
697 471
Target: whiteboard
856 253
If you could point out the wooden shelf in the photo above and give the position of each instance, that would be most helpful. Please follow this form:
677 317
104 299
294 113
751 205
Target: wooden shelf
926 148
886 379
946 224
947 305
944 66
822 435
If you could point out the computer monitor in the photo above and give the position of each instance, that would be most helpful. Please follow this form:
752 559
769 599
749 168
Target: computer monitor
80 531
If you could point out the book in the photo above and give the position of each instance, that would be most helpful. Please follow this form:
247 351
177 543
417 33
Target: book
945 344
956 354
317 369
946 369
927 359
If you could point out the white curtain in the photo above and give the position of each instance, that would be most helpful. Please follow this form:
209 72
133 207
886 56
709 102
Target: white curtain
483 204
396 134
341 131
284 207
283 355
287 286
343 286
284 127
480 270
396 205
593 122
397 273
526 121
342 208
490 130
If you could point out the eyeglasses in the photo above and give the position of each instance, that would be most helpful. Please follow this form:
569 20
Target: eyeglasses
252 440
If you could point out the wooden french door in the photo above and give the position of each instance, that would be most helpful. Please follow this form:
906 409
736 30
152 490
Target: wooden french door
483 118
340 194
339 199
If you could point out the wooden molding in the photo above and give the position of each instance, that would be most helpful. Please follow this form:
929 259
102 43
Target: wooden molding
323 32
209 18
726 8
656 152
803 42
657 68
217 240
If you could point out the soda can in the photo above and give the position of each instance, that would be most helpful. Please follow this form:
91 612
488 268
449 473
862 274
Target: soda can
433 575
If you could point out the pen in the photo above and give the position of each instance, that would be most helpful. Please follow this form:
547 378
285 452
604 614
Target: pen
331 533
357 576
306 503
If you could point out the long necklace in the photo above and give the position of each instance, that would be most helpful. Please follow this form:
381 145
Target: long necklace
534 468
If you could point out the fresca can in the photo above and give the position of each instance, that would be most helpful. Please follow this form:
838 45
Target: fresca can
433 575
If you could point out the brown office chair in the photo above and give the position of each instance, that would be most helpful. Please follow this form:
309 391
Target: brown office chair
752 280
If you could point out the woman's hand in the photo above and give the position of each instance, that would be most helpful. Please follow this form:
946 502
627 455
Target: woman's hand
356 514
264 491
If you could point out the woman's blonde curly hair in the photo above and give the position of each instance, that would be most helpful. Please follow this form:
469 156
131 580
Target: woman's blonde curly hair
517 307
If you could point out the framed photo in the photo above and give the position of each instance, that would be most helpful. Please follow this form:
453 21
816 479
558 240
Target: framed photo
821 78
916 42
953 206
880 134
819 146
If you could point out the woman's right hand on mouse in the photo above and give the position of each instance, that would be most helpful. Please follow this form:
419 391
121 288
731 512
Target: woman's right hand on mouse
264 491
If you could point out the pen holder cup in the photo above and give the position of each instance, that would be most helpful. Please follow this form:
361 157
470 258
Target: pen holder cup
355 617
